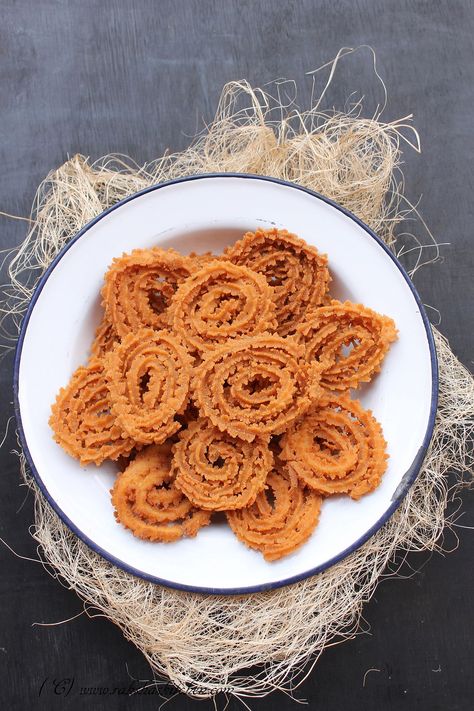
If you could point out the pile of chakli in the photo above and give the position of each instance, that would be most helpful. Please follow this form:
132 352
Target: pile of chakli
203 642
223 382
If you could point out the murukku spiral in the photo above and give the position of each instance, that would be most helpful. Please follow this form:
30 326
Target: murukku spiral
219 302
82 421
147 502
219 472
297 272
138 288
350 339
148 375
255 387
337 448
221 383
282 518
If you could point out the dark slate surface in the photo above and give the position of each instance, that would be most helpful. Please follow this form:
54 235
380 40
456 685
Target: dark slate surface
138 77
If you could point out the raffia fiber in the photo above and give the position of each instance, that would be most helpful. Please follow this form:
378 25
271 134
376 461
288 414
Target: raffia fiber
201 642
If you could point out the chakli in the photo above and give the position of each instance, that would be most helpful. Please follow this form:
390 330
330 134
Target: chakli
201 643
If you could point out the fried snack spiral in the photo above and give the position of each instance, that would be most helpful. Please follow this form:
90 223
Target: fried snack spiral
297 272
219 302
337 448
147 502
138 288
148 375
333 329
280 523
82 421
104 340
219 472
255 386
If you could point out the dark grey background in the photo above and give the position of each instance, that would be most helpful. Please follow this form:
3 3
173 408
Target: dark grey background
141 76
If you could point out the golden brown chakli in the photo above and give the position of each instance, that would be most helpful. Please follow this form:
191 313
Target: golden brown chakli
139 286
221 302
148 375
282 518
256 386
148 503
297 272
217 471
223 384
336 448
82 420
349 339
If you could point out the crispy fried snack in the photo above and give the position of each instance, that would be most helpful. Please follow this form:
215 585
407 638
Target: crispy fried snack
219 302
221 383
81 419
138 288
147 502
282 518
297 272
219 472
349 339
255 386
104 340
148 376
337 448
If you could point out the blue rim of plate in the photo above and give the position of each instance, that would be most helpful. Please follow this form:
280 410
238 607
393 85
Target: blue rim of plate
407 479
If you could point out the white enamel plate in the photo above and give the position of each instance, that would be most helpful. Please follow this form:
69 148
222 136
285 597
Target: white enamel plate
199 214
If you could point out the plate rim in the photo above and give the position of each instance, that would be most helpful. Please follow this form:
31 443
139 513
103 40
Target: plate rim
407 479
